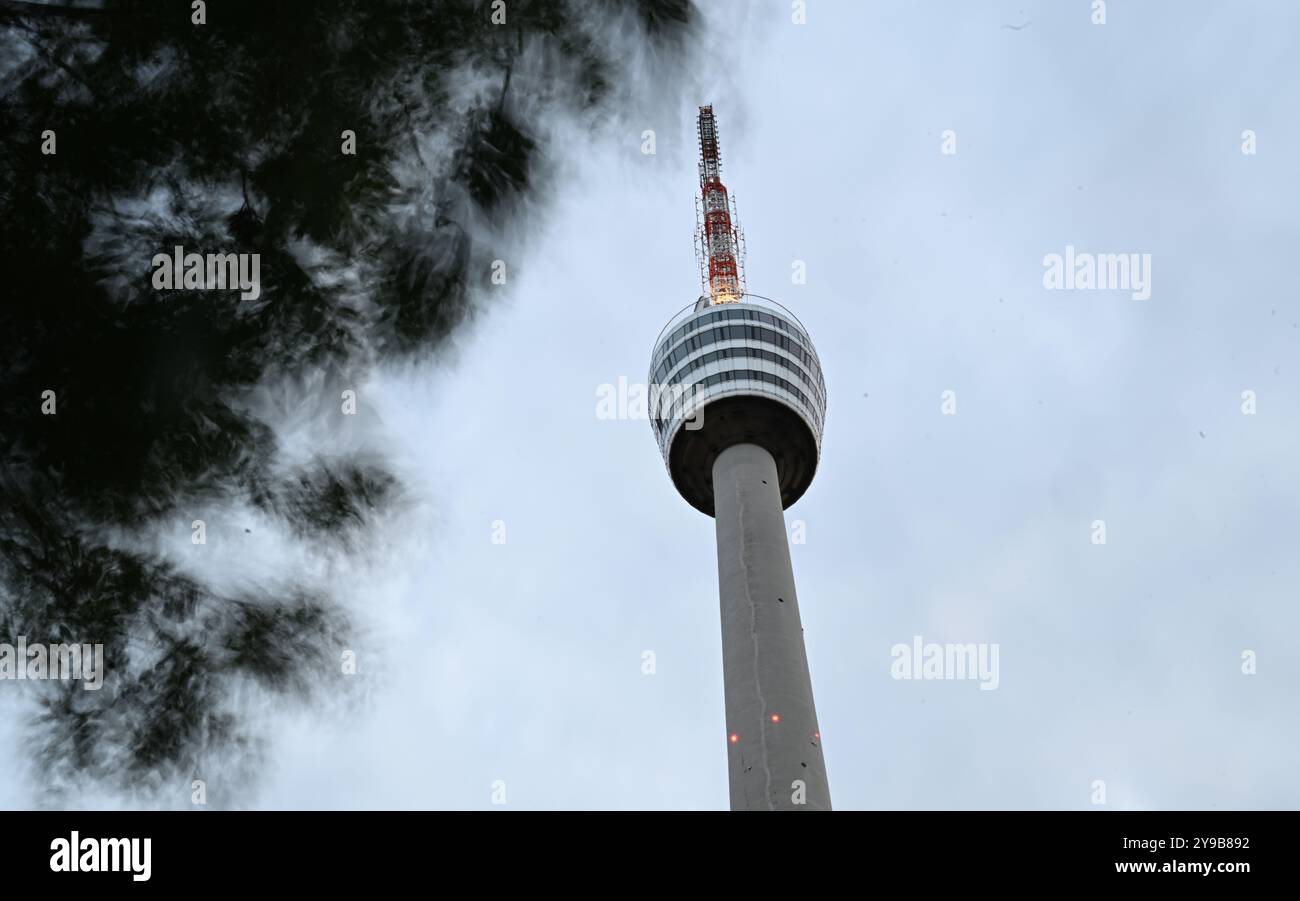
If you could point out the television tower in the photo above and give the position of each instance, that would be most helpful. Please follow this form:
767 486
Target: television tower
738 405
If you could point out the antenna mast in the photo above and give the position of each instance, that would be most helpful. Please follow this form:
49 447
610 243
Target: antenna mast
719 242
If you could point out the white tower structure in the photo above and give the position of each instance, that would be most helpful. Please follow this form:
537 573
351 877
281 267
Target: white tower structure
739 418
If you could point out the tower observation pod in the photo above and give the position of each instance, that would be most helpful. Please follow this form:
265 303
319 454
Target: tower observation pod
737 405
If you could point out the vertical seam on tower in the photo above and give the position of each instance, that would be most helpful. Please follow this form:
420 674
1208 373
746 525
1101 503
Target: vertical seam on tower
753 634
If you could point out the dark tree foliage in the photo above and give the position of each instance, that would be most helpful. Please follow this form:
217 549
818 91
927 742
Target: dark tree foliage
226 137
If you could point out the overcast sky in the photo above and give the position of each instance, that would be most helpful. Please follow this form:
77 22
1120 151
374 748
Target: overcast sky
523 661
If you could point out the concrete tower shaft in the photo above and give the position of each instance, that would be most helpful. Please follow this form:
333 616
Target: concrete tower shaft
773 740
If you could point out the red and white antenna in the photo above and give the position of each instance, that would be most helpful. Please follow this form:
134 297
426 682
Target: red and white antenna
719 244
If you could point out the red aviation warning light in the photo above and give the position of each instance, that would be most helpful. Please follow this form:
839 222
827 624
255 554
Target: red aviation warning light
718 242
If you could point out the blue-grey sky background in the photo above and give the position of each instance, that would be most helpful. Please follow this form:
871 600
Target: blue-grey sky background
522 661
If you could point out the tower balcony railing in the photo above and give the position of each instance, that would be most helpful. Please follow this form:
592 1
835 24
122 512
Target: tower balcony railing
754 300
